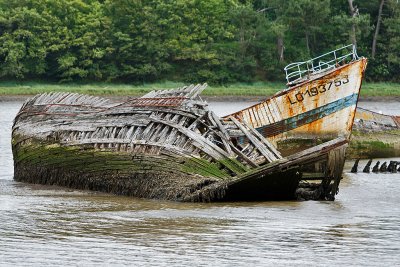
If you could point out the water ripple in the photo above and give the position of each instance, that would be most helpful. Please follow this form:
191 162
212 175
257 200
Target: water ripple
52 226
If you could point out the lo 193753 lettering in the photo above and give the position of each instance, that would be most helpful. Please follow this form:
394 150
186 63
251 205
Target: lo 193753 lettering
317 90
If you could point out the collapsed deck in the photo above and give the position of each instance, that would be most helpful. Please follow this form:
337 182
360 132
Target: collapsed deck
166 145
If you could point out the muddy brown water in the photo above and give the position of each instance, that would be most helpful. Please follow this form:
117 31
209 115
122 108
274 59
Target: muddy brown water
52 226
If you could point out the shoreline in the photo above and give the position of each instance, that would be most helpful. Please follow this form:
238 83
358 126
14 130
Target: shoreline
217 98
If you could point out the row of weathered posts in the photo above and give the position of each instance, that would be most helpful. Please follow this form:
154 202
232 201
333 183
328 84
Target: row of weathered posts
393 167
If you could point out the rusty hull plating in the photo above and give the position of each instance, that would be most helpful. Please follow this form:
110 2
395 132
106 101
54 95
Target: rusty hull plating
320 108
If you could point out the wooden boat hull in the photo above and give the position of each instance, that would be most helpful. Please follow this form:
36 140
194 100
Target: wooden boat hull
163 176
165 145
318 109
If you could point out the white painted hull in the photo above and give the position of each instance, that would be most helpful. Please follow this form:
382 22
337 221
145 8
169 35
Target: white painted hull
323 107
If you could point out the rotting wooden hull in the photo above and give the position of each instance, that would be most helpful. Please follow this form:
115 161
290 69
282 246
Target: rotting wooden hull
374 135
164 177
165 145
319 109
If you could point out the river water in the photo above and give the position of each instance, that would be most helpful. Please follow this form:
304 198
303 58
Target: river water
52 226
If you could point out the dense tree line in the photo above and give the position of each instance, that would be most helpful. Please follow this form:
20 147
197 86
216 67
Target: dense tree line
218 41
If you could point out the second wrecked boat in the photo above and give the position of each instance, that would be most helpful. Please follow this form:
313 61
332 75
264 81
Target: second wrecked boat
374 135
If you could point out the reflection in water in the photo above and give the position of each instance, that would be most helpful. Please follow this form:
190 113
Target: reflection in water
48 225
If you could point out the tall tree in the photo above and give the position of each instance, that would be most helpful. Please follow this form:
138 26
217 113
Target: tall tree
392 55
377 28
218 41
353 13
306 17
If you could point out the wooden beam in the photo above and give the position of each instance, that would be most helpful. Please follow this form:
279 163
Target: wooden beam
267 143
258 144
244 157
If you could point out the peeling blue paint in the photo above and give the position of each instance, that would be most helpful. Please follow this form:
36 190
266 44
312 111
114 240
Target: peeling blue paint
307 117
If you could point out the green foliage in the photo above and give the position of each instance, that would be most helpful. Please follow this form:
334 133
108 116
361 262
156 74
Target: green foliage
218 41
392 44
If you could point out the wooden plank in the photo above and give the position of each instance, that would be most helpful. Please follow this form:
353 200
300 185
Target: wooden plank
312 176
172 136
322 147
267 143
192 90
122 132
176 118
198 91
182 121
155 133
246 147
252 118
163 134
257 116
269 112
188 89
147 130
246 116
195 123
136 133
258 144
41 99
204 144
264 112
226 144
254 154
244 157
224 137
276 112
217 122
307 156
335 164
182 140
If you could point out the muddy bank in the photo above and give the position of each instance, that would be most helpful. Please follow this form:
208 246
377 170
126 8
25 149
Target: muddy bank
382 144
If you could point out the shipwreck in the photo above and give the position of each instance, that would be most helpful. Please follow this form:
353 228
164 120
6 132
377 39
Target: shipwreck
318 105
168 145
374 135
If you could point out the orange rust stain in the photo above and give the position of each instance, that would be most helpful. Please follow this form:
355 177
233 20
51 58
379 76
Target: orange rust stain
315 126
303 108
350 121
251 117
363 65
288 110
397 120
257 115
364 115
335 73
